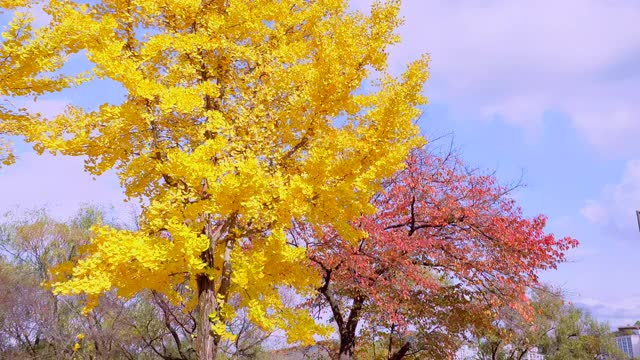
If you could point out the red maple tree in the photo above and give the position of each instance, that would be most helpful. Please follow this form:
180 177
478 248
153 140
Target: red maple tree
447 247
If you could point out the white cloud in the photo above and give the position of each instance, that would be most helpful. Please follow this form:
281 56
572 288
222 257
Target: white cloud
615 208
517 59
57 182
594 212
618 312
40 17
46 107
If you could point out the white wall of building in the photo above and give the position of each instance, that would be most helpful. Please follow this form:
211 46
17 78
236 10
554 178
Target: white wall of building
630 345
467 352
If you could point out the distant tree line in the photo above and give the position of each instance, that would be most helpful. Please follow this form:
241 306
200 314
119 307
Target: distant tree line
36 324
556 328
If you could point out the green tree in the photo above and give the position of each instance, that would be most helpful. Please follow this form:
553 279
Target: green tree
515 334
578 336
557 329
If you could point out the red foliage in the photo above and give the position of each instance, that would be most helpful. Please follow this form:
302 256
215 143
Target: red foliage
446 247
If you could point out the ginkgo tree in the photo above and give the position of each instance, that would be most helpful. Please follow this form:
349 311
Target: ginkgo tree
28 58
239 118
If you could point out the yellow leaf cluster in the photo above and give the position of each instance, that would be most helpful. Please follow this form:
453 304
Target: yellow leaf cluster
240 114
28 60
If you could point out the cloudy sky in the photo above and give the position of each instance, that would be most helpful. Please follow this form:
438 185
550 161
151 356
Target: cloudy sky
545 88
551 89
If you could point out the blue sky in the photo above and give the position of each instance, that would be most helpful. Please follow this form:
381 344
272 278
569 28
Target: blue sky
548 88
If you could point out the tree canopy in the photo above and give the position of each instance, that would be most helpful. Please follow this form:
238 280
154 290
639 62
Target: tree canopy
274 156
239 118
447 248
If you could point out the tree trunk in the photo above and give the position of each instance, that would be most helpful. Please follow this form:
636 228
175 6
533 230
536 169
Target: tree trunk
402 352
494 353
348 329
205 349
207 302
225 283
523 353
347 345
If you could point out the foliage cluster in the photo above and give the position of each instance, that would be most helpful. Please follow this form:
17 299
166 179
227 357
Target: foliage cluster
37 324
273 153
559 330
